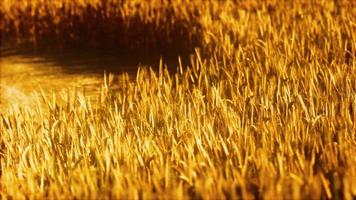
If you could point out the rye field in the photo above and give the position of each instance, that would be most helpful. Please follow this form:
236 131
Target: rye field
264 107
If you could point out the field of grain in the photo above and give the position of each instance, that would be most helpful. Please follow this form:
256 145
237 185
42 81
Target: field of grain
265 109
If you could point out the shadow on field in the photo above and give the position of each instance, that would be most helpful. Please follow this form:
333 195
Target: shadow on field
76 60
106 35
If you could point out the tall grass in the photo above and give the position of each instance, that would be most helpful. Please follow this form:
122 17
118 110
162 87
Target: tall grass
266 109
135 25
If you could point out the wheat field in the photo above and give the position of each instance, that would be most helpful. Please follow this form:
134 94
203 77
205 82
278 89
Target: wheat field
265 109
